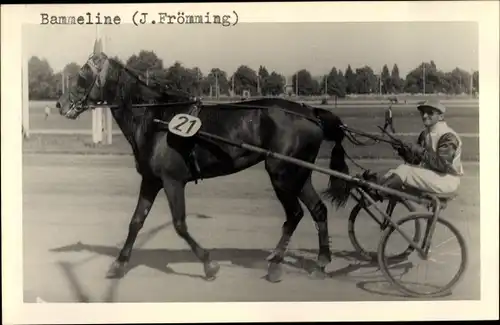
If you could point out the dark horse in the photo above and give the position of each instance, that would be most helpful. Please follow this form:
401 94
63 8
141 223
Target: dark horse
168 161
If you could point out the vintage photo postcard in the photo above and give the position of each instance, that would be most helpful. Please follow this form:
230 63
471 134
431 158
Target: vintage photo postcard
250 162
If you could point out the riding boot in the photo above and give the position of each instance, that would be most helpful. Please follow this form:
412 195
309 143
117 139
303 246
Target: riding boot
393 182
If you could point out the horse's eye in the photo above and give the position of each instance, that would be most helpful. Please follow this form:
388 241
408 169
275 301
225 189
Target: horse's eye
81 81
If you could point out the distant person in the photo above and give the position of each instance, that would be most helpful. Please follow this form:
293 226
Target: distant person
433 164
388 119
47 111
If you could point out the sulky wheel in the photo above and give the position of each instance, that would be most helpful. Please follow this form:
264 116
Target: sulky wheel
448 252
373 225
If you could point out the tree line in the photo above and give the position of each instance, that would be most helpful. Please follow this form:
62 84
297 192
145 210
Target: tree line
45 84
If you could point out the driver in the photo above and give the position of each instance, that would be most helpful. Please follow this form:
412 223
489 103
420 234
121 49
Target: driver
433 164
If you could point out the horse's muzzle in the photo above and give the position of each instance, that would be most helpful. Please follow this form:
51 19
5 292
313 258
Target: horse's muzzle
59 107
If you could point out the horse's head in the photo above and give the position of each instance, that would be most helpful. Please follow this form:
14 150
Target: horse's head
89 88
99 80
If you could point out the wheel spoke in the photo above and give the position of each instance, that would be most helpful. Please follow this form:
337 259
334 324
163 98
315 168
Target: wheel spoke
364 232
444 242
424 284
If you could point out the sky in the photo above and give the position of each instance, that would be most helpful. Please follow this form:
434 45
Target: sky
283 47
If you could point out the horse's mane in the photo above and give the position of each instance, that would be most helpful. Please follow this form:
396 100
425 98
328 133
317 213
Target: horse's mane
163 94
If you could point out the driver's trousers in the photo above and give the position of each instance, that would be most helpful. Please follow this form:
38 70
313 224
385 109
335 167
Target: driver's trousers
425 179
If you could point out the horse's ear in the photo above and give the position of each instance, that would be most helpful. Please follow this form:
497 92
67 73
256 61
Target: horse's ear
97 47
100 47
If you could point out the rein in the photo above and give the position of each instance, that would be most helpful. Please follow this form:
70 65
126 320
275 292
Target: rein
163 105
153 105
350 134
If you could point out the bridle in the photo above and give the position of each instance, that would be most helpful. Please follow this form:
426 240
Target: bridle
78 105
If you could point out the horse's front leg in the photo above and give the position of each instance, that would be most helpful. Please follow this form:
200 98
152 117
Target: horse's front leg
148 192
175 191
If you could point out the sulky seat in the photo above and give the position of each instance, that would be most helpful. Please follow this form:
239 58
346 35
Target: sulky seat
442 197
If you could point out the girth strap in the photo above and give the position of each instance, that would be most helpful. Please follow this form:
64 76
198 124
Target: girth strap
192 160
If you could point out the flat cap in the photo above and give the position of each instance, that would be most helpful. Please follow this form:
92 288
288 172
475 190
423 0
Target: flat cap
434 104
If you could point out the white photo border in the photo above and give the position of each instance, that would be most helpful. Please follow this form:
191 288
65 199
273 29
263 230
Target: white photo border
17 312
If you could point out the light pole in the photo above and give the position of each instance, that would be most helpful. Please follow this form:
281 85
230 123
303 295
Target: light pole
423 73
297 84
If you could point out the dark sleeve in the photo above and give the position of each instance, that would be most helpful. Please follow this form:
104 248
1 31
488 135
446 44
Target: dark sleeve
413 158
420 140
442 160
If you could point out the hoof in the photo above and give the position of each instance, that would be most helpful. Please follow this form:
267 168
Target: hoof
318 274
211 270
275 257
323 261
274 272
117 270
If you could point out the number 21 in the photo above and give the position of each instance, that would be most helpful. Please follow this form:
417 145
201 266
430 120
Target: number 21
184 125
184 121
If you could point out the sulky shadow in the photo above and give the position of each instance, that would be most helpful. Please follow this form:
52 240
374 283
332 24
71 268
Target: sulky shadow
77 289
384 288
357 263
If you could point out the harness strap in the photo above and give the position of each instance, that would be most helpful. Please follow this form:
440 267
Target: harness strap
193 160
354 162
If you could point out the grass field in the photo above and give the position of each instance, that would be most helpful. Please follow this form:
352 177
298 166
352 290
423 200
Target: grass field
364 115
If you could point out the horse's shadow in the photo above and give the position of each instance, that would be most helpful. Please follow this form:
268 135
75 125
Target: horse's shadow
160 259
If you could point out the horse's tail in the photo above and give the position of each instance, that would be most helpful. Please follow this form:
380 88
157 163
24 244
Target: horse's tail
338 190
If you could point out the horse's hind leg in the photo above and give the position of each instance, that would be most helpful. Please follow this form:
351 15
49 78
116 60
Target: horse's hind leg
294 214
147 194
319 213
175 191
287 180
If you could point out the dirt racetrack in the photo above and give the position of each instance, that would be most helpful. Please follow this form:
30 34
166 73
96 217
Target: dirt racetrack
76 214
